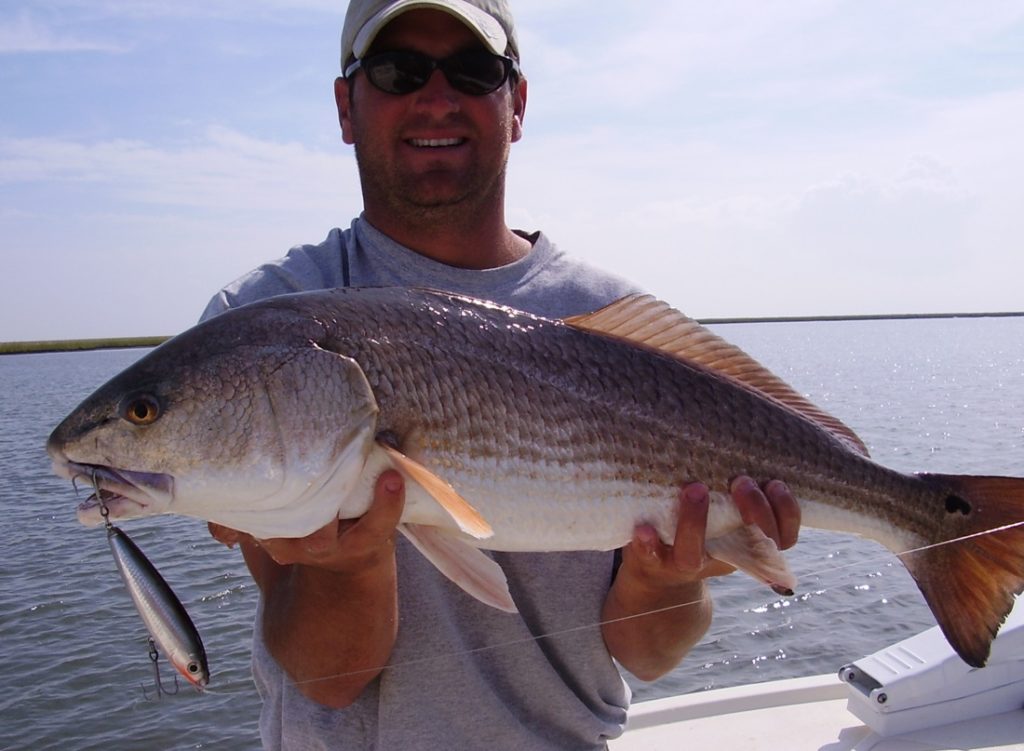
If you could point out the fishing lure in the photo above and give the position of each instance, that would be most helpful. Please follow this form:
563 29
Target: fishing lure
166 619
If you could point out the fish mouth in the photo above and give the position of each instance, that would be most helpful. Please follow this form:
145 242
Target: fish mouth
123 493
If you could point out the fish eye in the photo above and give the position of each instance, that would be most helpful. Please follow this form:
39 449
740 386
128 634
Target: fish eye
193 668
140 409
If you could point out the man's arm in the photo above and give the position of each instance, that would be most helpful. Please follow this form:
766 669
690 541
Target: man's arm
658 607
330 614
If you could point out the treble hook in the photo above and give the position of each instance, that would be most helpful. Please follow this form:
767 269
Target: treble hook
104 511
161 690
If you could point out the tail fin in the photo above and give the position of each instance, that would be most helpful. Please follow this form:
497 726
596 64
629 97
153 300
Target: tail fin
970 583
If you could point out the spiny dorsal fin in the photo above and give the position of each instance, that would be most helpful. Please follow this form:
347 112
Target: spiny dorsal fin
645 320
466 517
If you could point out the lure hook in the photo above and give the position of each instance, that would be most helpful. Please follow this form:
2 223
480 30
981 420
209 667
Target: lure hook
104 511
161 690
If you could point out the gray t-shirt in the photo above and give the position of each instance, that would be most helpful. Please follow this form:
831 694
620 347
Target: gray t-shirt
462 675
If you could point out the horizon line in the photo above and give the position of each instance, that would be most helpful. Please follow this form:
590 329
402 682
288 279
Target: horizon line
135 342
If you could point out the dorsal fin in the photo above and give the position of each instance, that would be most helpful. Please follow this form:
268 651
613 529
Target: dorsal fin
645 320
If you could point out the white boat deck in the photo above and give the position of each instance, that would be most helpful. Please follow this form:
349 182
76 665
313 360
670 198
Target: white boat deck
916 695
802 714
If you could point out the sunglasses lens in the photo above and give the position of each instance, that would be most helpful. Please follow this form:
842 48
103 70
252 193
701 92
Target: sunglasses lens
398 72
474 72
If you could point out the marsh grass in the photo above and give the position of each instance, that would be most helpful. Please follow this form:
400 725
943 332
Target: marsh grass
74 345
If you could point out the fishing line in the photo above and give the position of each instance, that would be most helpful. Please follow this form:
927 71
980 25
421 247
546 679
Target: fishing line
888 555
884 557
500 645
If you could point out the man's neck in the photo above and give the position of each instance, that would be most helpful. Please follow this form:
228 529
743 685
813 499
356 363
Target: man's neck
468 245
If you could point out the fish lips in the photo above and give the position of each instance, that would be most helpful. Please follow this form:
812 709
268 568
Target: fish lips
124 493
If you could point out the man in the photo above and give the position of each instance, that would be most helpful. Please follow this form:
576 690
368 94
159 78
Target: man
432 100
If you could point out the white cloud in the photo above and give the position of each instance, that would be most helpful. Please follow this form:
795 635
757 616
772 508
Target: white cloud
914 218
682 63
25 33
196 9
222 170
735 159
135 237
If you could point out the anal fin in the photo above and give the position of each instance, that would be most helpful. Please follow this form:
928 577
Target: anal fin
468 567
750 550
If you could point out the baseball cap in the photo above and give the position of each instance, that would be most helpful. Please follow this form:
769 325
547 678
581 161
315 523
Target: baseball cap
491 20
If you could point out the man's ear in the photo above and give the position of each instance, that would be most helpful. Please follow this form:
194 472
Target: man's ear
518 109
343 101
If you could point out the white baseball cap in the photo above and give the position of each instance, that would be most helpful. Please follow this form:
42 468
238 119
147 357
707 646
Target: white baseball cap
490 20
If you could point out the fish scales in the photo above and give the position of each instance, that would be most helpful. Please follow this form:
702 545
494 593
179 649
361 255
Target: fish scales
515 433
572 401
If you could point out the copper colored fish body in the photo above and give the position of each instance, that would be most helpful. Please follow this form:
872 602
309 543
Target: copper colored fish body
516 433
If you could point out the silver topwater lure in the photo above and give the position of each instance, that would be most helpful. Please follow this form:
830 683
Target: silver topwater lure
166 619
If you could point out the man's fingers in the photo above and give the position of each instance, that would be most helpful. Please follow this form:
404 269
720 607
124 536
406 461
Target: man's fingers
385 512
322 542
224 535
344 543
754 507
688 546
283 551
774 510
646 545
786 511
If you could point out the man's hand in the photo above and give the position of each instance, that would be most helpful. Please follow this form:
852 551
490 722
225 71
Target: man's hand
667 581
330 612
342 545
773 509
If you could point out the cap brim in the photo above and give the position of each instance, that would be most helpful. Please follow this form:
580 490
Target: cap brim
483 25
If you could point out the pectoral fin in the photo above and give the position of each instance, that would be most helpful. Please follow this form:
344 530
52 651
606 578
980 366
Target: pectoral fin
466 517
752 551
465 565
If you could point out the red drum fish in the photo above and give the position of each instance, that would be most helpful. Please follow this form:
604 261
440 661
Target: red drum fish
516 433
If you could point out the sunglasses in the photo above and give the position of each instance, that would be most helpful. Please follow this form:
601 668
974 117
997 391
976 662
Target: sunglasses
475 72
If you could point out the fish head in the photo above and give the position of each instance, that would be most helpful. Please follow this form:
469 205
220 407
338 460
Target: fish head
243 420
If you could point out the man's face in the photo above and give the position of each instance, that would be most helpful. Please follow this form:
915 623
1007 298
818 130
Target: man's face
435 149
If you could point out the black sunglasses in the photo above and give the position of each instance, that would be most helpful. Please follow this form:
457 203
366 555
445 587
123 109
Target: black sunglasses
475 72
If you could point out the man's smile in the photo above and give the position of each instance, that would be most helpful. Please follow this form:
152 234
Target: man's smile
434 143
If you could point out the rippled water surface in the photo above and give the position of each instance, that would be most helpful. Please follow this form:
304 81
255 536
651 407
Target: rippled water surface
926 395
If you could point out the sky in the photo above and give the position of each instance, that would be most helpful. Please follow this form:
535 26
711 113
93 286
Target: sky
735 158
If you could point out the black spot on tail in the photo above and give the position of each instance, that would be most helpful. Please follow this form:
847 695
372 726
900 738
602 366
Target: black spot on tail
957 505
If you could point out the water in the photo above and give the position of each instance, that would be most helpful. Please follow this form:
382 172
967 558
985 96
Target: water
938 395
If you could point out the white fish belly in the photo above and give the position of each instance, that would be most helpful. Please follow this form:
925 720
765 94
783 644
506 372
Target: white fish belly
827 516
552 507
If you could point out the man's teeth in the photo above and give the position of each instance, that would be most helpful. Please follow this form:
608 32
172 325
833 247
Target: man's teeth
435 142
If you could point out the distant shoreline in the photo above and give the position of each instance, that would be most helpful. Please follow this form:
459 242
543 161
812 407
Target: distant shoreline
861 317
73 345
